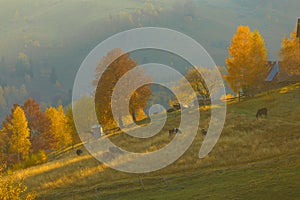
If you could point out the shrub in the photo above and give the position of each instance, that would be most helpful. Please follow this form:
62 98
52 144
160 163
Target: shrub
32 160
11 189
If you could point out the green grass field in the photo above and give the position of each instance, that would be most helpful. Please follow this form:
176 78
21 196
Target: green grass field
253 159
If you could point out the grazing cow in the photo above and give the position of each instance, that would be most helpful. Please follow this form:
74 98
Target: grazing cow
203 131
78 152
174 131
261 112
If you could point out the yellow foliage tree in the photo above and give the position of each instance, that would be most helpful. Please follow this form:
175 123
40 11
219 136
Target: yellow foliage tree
11 189
290 54
247 61
18 131
3 145
60 127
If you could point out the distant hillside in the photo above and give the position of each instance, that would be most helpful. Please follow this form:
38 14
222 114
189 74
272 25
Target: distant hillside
59 34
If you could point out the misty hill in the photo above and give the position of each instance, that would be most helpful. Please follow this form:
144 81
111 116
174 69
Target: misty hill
59 34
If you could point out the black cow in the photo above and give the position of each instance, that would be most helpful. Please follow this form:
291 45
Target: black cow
203 131
78 152
177 106
174 131
171 110
261 112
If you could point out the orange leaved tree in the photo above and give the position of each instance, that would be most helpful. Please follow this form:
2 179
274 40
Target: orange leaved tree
290 54
247 61
59 127
118 64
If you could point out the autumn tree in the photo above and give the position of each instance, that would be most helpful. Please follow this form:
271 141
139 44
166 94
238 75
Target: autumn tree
138 102
247 61
3 145
17 130
203 87
59 127
290 54
39 125
11 189
5 134
118 65
70 122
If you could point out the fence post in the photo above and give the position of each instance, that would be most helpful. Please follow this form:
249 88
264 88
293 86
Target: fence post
165 180
73 195
97 193
141 182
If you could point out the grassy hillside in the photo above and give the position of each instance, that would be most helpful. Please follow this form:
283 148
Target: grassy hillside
253 159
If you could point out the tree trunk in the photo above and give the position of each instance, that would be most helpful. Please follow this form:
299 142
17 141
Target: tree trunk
19 156
121 125
133 117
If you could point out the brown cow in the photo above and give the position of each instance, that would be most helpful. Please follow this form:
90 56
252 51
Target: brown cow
261 112
203 131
